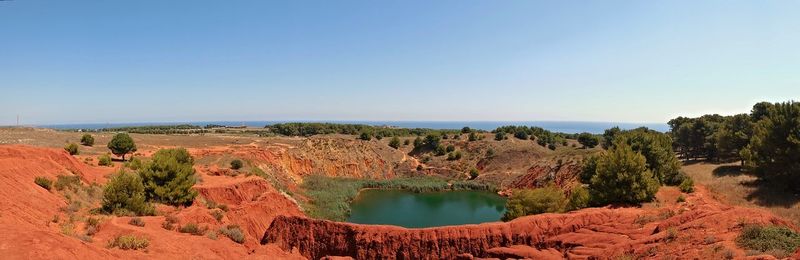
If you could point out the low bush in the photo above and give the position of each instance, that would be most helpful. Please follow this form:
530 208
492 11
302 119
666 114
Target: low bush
218 214
169 222
236 164
769 238
687 185
87 140
67 182
126 242
579 198
43 182
473 173
536 201
71 148
104 160
680 199
193 229
233 232
92 226
124 195
136 221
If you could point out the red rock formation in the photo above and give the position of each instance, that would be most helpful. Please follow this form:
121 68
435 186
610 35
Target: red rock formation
680 230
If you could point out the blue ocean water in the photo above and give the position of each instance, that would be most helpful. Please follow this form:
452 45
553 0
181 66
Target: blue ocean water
555 126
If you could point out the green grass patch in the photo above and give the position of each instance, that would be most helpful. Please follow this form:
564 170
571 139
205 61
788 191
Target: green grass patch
773 239
330 197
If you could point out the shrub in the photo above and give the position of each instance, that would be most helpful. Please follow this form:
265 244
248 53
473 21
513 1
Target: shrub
124 194
133 164
169 222
466 129
687 185
365 136
193 229
622 177
87 140
528 202
588 170
218 214
72 182
454 156
551 147
439 151
522 135
499 136
92 226
121 144
233 232
43 182
395 142
472 137
406 142
588 140
126 242
473 173
169 176
71 148
104 160
680 199
768 238
236 164
450 148
579 198
136 221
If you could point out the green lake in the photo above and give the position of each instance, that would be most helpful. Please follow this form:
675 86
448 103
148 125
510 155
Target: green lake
427 209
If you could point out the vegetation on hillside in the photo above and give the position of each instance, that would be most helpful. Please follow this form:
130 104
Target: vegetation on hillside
776 240
124 194
158 129
121 144
309 129
169 176
622 176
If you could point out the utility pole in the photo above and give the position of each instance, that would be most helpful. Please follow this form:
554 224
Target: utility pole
17 120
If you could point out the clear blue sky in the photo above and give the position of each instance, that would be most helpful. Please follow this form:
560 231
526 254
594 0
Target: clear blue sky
624 61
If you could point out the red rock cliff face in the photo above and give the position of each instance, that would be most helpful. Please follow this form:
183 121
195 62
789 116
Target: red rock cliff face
700 228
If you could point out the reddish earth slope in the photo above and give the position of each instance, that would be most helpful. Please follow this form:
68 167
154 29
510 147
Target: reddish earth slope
698 228
27 212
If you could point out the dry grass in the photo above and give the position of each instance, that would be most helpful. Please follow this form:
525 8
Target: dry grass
735 187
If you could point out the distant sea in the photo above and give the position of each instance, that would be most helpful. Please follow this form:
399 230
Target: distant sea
555 126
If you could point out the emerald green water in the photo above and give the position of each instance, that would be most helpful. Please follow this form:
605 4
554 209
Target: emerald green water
427 209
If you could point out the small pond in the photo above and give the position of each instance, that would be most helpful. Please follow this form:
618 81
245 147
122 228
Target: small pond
427 209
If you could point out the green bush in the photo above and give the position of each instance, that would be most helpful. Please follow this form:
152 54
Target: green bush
169 176
365 136
473 173
588 140
406 142
579 198
454 156
236 164
439 151
124 194
71 148
522 135
622 177
450 148
87 140
768 238
126 242
687 185
536 201
121 144
233 232
218 214
499 136
588 170
72 182
395 142
104 160
472 137
43 182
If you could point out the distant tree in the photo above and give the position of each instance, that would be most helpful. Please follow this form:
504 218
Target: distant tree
622 177
609 135
71 148
169 176
525 202
473 137
733 136
236 164
774 149
522 135
365 136
395 142
588 140
499 136
466 129
418 142
124 194
122 144
87 140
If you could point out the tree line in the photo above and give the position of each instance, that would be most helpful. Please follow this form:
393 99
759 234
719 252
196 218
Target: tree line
309 129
